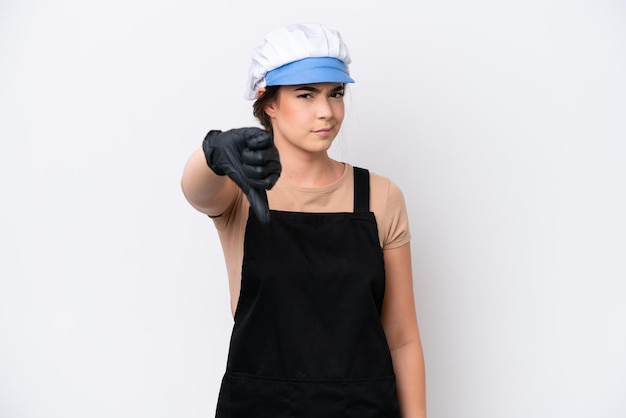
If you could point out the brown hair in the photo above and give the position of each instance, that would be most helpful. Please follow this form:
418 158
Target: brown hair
258 108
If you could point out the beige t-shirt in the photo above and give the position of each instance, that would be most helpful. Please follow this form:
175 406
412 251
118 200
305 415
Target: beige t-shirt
386 201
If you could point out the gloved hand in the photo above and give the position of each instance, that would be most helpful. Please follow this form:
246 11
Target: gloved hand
248 156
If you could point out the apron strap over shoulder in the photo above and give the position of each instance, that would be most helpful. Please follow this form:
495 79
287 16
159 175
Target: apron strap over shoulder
361 190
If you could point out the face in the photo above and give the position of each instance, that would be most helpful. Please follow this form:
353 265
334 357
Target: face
306 118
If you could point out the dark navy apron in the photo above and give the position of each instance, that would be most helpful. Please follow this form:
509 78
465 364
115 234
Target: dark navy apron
307 339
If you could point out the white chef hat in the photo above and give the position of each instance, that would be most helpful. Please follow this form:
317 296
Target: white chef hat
298 54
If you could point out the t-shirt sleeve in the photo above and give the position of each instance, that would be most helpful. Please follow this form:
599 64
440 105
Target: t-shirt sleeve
396 220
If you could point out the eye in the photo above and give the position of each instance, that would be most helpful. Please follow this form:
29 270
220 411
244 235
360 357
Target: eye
337 94
305 96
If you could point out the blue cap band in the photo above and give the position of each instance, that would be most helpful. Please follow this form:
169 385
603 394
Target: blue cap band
309 70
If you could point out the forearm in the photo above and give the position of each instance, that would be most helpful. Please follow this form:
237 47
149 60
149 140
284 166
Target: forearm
408 363
204 190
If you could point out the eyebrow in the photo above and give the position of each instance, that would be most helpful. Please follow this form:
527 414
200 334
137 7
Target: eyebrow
315 89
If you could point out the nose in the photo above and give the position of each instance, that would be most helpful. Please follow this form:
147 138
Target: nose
324 109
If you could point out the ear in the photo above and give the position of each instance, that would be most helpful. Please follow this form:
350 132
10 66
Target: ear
260 92
270 108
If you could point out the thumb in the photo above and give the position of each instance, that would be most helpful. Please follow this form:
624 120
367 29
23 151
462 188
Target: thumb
258 203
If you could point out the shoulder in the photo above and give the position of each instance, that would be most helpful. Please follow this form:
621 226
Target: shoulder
388 204
384 191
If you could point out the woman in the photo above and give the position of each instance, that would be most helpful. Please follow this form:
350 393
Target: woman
317 251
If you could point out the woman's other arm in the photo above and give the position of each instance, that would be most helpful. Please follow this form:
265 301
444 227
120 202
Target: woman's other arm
399 320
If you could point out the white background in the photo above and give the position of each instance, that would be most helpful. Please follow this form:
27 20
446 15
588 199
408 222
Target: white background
502 121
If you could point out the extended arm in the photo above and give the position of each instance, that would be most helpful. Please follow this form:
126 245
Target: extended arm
399 320
204 190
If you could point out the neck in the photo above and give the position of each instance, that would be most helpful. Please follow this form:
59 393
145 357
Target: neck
317 171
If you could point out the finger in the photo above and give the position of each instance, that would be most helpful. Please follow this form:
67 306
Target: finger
259 205
258 172
254 157
271 180
259 140
252 131
260 157
262 177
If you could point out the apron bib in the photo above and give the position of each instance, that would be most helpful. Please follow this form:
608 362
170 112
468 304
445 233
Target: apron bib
307 339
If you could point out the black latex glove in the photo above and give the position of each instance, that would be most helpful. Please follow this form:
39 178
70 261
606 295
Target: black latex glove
248 156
